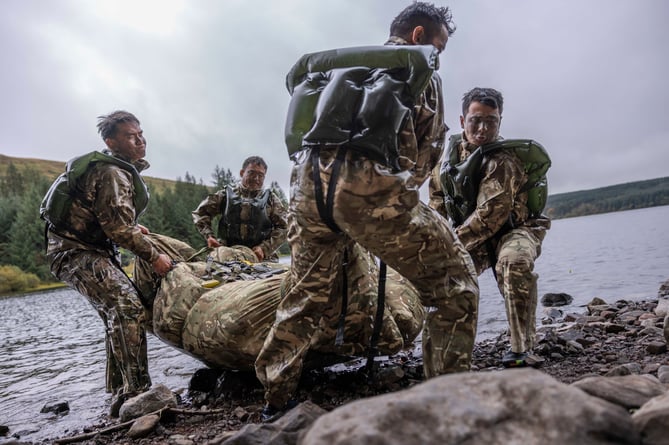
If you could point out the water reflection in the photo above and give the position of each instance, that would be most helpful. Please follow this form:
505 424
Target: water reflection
52 349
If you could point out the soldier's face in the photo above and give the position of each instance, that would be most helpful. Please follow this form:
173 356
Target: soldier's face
253 176
128 142
481 123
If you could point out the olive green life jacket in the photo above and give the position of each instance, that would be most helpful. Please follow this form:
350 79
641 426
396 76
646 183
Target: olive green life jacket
57 202
359 97
258 225
460 180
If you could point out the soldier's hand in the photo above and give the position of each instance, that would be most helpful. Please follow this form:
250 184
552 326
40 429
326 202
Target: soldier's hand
213 242
162 264
259 253
143 229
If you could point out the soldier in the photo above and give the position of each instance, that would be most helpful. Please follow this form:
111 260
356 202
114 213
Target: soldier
249 215
83 241
500 228
370 172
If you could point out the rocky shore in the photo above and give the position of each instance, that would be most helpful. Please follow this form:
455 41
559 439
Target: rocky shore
601 376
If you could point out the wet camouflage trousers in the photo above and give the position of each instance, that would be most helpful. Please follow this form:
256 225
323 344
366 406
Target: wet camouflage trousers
113 296
382 212
516 253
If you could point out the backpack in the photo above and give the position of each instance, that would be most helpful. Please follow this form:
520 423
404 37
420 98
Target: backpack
460 180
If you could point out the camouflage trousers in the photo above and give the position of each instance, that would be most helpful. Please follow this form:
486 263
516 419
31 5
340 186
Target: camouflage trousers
109 290
516 253
381 211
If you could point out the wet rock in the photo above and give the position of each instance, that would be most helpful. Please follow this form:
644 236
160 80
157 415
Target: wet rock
241 413
158 397
663 374
283 431
626 369
143 426
204 380
656 347
664 290
56 408
651 420
629 391
557 299
491 407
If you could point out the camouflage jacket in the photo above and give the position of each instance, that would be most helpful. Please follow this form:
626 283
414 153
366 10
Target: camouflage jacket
421 142
499 200
213 204
106 206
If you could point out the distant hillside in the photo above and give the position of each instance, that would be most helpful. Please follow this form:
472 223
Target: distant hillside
628 196
632 195
52 169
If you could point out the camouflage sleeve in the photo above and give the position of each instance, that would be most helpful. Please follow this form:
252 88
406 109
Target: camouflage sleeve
503 176
209 208
115 211
277 213
430 130
436 193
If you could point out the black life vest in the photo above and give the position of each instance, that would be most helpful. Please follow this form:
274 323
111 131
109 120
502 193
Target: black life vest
254 229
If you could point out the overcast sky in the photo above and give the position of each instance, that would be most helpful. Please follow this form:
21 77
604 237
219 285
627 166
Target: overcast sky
588 79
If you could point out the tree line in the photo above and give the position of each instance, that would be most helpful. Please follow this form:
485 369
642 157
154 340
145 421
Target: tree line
615 198
22 232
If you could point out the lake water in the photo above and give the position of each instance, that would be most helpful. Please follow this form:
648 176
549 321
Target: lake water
52 349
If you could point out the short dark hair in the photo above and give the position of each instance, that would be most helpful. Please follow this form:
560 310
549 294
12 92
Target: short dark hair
422 14
257 160
107 124
487 96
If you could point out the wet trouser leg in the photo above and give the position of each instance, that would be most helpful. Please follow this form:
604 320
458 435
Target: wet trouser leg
381 212
517 282
115 299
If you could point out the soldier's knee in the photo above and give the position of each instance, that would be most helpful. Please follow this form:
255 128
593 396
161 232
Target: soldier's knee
521 265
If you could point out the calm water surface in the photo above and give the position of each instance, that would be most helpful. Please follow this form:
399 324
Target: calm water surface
52 349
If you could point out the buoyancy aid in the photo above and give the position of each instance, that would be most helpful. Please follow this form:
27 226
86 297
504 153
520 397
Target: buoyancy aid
359 97
258 225
57 203
460 180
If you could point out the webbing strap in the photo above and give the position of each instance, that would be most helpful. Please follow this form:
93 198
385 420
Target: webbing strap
325 206
378 322
339 339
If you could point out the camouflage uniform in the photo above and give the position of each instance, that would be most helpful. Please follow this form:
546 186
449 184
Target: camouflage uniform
380 209
499 205
213 204
94 269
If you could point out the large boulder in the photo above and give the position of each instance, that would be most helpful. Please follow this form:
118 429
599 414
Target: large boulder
518 406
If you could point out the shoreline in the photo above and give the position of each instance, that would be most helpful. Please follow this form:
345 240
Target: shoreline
624 337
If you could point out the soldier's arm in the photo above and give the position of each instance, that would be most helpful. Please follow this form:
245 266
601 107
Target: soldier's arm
502 177
278 216
436 200
430 130
115 210
205 212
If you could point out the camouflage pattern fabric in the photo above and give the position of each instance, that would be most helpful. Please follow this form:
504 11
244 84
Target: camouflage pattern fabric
109 190
110 292
380 210
225 327
107 207
500 200
211 206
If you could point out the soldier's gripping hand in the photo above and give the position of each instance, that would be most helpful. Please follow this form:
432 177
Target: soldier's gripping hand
162 264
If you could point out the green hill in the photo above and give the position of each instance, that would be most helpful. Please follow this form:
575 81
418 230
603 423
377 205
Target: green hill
632 195
628 196
51 170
